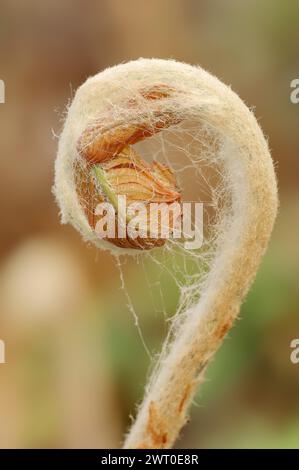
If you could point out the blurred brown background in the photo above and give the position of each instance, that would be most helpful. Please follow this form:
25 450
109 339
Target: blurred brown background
75 364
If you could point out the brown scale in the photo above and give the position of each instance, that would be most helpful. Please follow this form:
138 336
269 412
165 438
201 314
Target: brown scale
126 173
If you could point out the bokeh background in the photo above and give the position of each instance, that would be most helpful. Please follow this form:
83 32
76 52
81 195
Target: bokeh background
75 365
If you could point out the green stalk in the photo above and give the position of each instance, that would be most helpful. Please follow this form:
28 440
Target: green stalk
105 186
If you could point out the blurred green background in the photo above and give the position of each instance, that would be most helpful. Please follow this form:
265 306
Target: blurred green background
75 363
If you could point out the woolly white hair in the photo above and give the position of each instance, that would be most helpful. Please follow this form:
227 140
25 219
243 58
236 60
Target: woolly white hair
243 231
